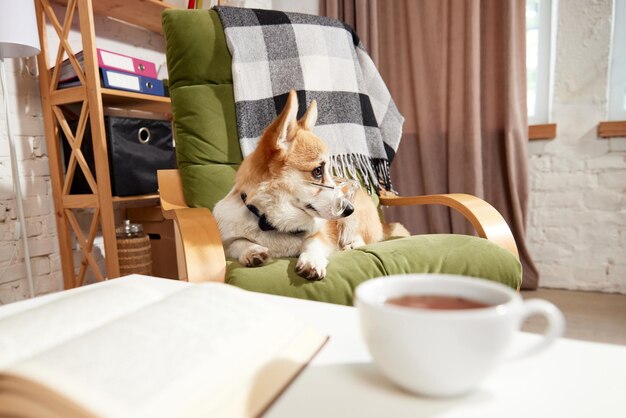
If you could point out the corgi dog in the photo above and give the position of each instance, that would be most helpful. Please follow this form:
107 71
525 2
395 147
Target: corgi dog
286 203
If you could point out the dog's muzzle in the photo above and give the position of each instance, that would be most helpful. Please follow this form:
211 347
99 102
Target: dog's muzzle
336 201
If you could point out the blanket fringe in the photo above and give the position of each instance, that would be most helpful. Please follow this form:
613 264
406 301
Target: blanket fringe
373 173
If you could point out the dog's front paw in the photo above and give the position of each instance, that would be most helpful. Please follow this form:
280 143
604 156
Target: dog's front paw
255 256
311 267
356 243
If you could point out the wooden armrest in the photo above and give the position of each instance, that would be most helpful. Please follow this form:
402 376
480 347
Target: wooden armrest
199 249
484 218
170 192
198 245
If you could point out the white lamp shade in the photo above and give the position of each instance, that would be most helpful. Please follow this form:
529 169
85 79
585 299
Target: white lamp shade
18 29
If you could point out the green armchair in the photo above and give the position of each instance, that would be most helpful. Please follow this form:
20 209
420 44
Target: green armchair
208 156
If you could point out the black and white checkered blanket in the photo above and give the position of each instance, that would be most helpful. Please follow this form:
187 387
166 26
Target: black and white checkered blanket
322 59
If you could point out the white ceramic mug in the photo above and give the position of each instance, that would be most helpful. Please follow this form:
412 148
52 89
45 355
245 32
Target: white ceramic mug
445 352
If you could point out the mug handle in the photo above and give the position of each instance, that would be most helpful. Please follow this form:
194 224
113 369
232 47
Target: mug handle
555 328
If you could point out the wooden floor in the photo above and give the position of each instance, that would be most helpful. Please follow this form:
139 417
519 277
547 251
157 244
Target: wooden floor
590 316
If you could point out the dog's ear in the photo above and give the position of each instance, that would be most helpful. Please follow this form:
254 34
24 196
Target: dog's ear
287 121
310 117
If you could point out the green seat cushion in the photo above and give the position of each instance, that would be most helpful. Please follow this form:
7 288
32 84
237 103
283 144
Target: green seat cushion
437 253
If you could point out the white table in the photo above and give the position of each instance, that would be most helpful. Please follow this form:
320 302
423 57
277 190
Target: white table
570 379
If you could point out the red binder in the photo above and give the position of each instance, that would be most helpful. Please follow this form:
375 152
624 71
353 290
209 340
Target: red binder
120 62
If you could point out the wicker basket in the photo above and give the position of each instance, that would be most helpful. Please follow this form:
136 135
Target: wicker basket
134 255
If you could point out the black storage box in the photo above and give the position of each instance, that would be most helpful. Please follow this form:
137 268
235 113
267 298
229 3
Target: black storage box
137 148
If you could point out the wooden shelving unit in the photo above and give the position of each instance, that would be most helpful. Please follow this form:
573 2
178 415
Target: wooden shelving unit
91 98
143 13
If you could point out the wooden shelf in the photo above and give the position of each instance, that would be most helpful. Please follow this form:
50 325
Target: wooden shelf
142 13
135 201
91 200
136 101
122 199
115 98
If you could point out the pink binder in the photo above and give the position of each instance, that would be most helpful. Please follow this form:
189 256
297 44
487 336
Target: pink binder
119 62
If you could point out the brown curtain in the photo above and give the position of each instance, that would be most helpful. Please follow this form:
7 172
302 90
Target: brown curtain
457 70
361 15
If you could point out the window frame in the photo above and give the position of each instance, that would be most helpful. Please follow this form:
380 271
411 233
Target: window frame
617 64
544 92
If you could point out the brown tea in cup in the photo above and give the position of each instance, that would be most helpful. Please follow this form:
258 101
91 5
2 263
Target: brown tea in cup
438 302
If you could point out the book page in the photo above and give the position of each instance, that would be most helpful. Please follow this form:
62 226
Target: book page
26 333
182 356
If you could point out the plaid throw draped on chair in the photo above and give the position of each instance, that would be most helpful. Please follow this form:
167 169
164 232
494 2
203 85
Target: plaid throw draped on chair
322 59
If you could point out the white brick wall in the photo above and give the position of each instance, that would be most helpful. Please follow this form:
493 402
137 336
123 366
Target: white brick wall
577 227
27 124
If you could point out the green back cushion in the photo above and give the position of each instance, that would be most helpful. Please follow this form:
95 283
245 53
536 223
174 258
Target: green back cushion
209 154
203 107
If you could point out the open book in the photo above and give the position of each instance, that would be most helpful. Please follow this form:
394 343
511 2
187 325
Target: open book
147 347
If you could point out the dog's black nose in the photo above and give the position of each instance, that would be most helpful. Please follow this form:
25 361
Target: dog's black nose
347 211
